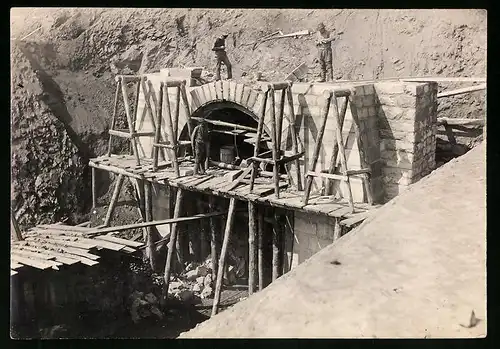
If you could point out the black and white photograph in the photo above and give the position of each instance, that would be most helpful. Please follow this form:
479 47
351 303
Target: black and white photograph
183 173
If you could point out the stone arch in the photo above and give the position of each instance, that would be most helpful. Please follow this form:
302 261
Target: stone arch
229 94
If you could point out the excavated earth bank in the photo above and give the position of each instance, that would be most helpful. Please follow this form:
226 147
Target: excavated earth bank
63 87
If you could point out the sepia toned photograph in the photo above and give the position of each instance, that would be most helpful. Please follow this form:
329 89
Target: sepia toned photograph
247 173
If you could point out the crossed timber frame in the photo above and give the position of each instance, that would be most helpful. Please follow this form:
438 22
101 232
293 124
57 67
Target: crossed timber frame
276 134
132 134
331 102
172 144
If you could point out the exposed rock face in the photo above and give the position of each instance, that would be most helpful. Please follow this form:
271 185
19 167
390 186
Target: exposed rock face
48 174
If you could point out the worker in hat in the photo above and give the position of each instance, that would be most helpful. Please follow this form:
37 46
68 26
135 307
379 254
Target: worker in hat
201 147
221 56
323 42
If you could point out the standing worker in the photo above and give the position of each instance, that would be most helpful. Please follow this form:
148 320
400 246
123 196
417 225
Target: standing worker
221 56
201 147
323 42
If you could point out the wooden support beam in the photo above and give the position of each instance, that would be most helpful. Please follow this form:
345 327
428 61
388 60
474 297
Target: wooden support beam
223 253
176 111
252 232
94 190
172 243
187 112
149 217
461 91
281 110
115 170
276 248
128 78
443 79
114 199
327 175
214 250
159 111
204 248
335 151
275 145
225 124
461 122
314 160
172 221
281 85
115 111
130 136
130 122
260 126
18 236
295 146
342 93
170 132
340 141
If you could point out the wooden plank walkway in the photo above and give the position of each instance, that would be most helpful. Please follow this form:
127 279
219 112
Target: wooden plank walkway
214 183
50 246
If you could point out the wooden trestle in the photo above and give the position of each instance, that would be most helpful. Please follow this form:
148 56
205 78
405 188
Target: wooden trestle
260 190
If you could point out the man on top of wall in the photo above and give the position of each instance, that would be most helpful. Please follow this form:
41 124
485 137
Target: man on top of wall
221 56
323 42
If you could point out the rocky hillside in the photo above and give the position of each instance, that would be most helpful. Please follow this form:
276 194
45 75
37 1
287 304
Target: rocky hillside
75 53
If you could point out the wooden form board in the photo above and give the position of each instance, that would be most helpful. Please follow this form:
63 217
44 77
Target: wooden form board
55 245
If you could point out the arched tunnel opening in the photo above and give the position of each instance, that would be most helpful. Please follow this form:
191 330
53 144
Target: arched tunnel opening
233 133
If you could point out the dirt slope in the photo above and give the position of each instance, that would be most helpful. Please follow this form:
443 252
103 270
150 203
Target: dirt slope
77 52
415 269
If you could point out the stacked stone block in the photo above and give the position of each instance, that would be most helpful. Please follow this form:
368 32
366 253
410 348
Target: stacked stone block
313 232
406 123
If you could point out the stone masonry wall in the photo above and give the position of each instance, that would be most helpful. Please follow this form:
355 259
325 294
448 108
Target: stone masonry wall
407 128
313 233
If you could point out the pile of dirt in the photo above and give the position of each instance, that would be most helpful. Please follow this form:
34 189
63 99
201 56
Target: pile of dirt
77 52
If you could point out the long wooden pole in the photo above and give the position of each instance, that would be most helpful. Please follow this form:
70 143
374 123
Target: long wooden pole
340 142
186 108
149 217
213 237
319 140
159 117
279 121
276 247
172 221
18 236
275 145
223 253
176 111
225 124
133 139
295 145
114 199
335 151
203 232
260 255
170 132
252 232
115 111
94 190
172 243
262 114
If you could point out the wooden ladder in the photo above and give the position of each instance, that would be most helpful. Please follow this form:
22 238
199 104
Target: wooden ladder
131 133
338 118
276 133
172 123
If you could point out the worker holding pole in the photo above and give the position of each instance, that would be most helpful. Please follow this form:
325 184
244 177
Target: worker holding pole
323 42
221 56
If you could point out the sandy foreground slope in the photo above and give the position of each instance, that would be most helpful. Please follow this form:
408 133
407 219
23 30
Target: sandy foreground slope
415 269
